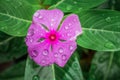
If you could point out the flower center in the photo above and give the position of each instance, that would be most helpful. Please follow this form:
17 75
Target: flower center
52 37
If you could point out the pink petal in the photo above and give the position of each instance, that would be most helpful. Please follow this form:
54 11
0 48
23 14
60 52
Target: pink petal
70 28
50 18
35 32
62 52
41 53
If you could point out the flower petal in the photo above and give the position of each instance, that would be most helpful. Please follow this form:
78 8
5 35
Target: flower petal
35 32
41 54
62 52
50 18
70 28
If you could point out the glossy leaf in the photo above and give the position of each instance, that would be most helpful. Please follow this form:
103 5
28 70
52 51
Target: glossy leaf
101 30
76 5
105 66
71 71
16 16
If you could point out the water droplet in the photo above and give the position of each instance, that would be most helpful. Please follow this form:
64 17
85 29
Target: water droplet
31 40
64 57
43 61
74 19
52 19
55 54
69 24
101 59
62 35
40 17
108 19
51 24
69 7
34 53
68 34
75 2
20 4
66 27
36 14
31 32
60 50
2 28
75 66
45 52
76 32
109 45
71 47
35 77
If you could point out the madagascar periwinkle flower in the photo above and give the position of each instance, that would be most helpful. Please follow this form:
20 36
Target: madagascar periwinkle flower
51 39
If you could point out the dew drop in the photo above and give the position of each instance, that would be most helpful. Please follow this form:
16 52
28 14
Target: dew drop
31 40
62 35
69 7
108 19
2 28
68 34
75 65
51 24
52 19
109 45
71 47
43 61
45 52
20 4
75 2
56 55
40 17
60 50
35 77
75 20
18 32
66 27
101 59
76 32
36 14
69 24
34 53
64 57
31 32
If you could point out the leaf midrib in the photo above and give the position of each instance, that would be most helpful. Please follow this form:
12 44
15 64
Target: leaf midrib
99 30
17 18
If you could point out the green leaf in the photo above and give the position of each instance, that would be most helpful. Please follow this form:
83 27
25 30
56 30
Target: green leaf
101 30
11 47
15 72
16 16
105 66
76 5
50 2
71 71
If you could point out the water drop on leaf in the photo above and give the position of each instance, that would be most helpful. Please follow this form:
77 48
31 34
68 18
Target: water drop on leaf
35 77
108 19
69 7
109 45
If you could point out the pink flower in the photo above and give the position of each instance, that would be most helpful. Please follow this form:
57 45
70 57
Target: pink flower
49 41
